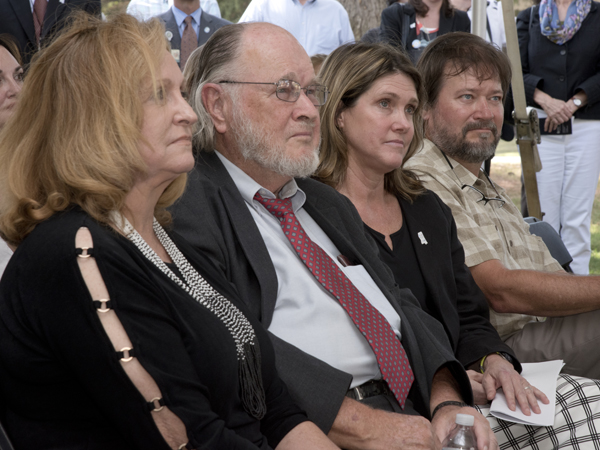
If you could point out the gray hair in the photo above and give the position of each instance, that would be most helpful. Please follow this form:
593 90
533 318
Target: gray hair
211 63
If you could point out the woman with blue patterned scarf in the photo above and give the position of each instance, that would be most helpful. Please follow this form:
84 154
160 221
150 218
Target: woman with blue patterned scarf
560 53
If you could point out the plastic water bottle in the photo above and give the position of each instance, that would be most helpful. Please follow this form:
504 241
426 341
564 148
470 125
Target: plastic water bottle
461 436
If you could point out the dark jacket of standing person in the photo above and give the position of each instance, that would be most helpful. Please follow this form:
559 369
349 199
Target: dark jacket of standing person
16 19
395 19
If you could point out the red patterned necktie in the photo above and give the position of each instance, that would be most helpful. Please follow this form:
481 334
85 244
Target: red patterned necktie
189 41
391 357
39 11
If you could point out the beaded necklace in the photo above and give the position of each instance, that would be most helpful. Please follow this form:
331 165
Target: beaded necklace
248 352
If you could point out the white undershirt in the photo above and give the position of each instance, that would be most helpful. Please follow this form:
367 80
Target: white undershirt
306 315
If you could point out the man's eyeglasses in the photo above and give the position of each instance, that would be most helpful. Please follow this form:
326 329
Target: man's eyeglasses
289 91
485 199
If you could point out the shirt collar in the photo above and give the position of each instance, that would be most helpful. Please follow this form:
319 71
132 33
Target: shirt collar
248 187
461 174
307 3
180 15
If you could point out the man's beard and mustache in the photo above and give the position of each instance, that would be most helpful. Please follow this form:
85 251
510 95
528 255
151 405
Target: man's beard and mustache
256 144
459 148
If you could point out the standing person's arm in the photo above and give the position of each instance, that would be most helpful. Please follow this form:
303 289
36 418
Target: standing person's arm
558 110
253 12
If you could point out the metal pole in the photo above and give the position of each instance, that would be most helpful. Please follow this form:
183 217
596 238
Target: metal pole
526 137
479 23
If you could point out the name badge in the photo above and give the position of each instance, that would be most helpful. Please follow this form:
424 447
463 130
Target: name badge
176 54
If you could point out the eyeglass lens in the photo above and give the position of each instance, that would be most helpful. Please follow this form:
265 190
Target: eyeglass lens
289 91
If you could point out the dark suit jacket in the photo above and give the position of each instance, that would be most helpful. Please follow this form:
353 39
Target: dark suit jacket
561 70
207 22
392 20
16 19
213 217
453 296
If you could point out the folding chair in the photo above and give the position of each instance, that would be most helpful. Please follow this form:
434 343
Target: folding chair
552 240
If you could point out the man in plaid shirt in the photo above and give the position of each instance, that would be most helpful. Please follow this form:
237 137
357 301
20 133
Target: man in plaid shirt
539 310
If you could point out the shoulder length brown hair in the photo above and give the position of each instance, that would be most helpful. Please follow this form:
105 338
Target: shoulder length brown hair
348 73
74 136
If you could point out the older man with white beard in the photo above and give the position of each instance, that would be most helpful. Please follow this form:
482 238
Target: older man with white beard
356 351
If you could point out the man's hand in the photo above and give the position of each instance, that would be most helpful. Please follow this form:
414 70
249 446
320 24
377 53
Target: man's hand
445 419
499 373
359 427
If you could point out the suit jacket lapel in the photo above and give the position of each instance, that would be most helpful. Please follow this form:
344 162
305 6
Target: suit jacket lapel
425 252
445 22
171 25
23 12
53 12
205 23
328 218
248 236
429 262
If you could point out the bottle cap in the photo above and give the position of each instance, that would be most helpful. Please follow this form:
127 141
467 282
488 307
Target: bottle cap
465 419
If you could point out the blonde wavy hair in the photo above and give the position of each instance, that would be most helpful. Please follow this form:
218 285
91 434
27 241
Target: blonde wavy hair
73 138
348 72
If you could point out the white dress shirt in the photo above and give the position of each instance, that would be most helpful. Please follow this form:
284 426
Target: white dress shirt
306 315
320 26
146 9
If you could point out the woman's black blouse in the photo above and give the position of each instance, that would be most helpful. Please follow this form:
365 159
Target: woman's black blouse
402 259
62 385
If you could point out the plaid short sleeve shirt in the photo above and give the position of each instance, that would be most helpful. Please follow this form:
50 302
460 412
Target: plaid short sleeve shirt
486 231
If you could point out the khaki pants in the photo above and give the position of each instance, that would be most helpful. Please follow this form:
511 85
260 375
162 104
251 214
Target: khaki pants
574 339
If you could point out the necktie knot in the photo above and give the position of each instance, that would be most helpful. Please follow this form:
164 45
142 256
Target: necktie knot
276 206
188 20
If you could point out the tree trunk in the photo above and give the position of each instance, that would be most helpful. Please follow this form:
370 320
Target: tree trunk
364 14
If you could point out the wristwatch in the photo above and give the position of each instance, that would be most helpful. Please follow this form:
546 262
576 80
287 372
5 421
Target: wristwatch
505 355
577 101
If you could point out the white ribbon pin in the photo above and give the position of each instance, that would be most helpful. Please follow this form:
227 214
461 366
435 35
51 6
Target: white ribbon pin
422 237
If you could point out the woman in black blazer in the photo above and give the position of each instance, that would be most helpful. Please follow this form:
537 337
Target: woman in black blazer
560 55
413 25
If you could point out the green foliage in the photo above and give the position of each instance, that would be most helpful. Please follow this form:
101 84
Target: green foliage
232 10
112 7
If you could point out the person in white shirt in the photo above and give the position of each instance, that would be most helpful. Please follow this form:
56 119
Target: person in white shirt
320 26
495 21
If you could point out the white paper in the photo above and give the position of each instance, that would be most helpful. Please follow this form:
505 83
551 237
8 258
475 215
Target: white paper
541 375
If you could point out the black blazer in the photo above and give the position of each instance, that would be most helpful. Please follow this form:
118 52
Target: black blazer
16 19
454 297
213 217
562 70
393 17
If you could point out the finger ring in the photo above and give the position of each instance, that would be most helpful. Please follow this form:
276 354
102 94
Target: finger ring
526 387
